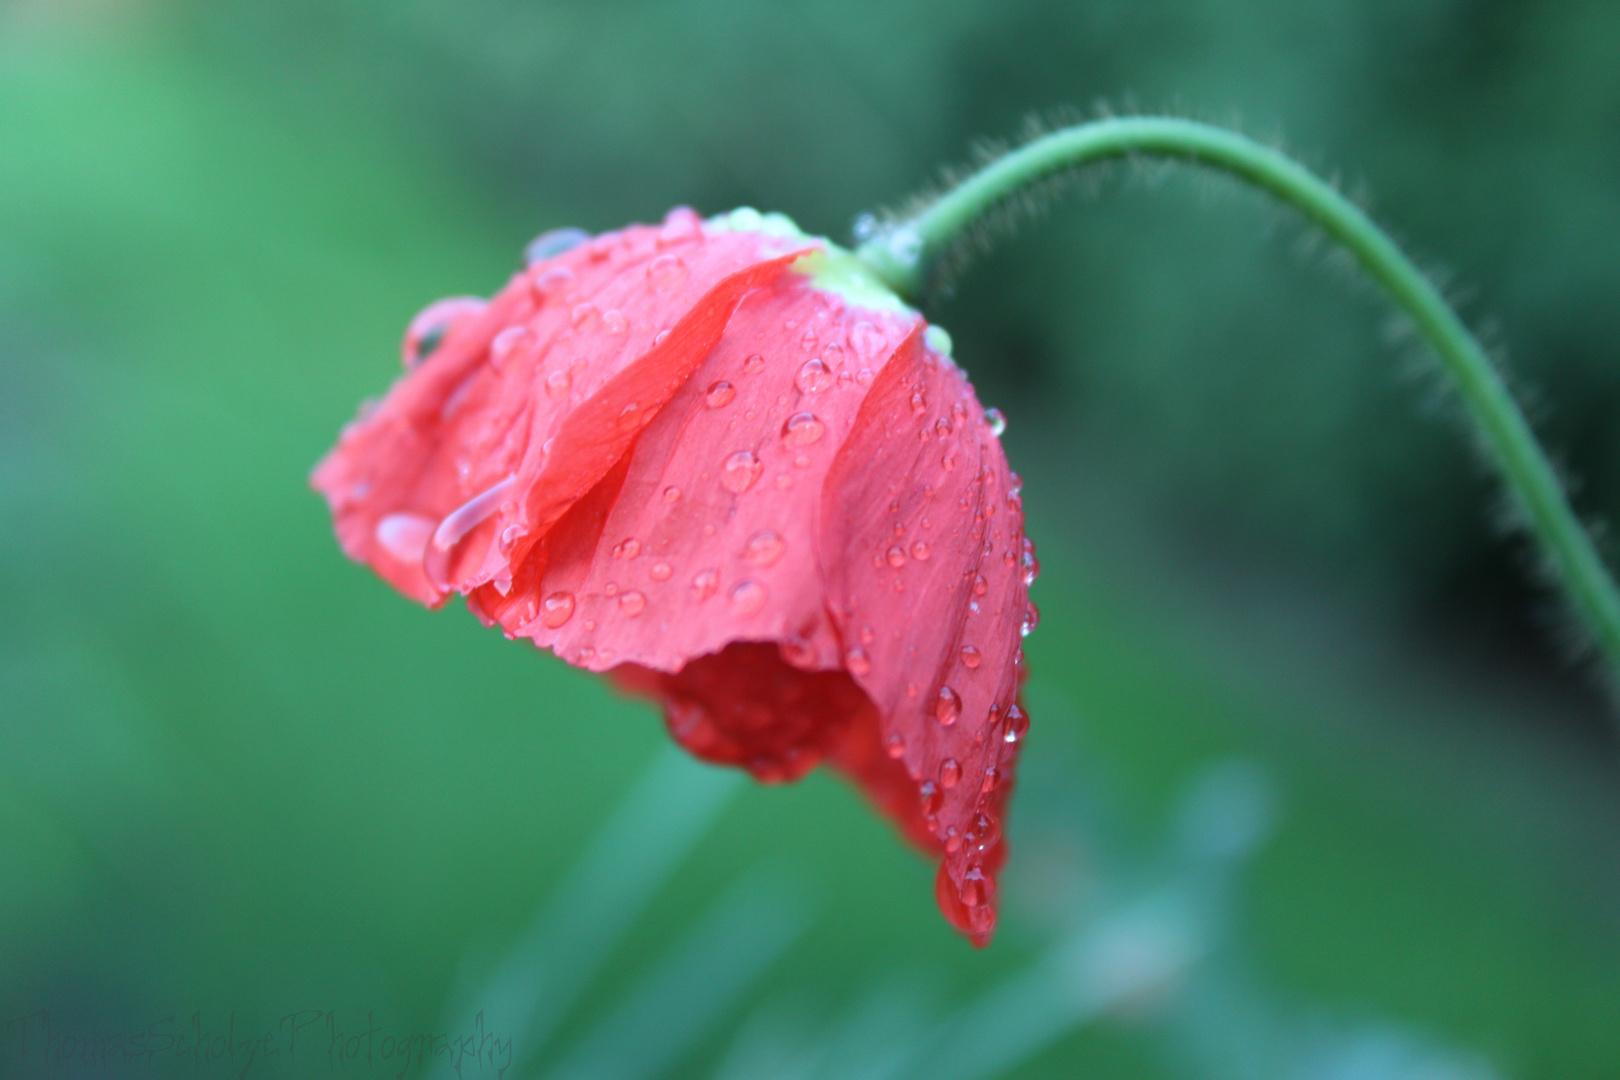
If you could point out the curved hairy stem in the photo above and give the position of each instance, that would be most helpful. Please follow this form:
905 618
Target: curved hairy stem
902 252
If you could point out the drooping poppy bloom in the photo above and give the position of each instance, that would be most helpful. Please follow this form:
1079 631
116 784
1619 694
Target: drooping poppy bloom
719 462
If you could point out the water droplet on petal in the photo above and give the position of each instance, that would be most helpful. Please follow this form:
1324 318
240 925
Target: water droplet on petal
947 707
1032 619
629 416
614 322
672 494
740 471
895 746
867 340
557 609
919 403
632 603
629 549
583 315
865 376
896 556
680 224
1032 565
405 536
705 583
660 571
436 559
666 272
802 429
950 773
506 343
977 890
996 420
551 281
980 586
511 534
813 376
754 364
553 242
953 842
660 337
557 384
970 657
747 596
931 797
719 395
429 326
1017 724
764 548
989 783
920 551
857 663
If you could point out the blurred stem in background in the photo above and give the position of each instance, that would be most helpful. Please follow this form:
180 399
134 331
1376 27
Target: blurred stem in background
905 252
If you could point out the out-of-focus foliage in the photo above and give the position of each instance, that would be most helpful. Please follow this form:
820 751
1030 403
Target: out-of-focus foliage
238 774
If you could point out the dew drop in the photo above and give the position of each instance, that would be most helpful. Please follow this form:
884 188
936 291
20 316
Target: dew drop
857 663
680 224
931 797
867 340
557 384
953 842
996 420
764 547
740 471
1032 619
672 494
942 427
976 888
1017 724
629 417
1032 565
802 429
896 556
813 376
950 773
660 337
980 586
989 783
947 707
405 536
553 242
557 609
584 315
629 549
505 344
747 597
511 534
720 394
614 322
865 376
632 603
895 746
436 558
666 272
920 551
551 282
660 571
919 403
754 364
970 657
705 583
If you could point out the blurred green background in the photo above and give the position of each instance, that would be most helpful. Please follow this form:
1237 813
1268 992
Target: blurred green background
239 776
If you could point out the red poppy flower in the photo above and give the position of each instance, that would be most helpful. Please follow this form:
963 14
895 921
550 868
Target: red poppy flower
720 463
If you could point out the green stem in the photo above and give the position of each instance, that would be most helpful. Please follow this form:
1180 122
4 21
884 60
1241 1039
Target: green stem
902 252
